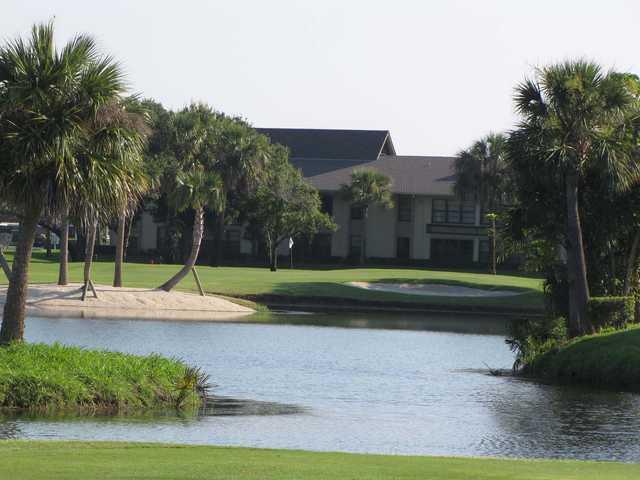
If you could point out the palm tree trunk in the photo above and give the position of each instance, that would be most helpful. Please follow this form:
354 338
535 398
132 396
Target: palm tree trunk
48 243
88 258
63 270
579 324
15 304
198 230
274 258
631 263
117 274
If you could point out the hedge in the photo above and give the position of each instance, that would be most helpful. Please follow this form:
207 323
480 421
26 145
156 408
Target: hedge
611 312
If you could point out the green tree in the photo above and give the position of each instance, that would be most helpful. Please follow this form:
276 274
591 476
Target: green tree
285 205
195 133
482 170
47 98
195 189
574 119
241 154
367 188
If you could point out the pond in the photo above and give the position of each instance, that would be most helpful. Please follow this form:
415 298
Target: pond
396 384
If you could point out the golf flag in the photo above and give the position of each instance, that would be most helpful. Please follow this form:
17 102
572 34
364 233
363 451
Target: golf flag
290 243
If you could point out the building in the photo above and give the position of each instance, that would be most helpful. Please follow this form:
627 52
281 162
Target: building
427 224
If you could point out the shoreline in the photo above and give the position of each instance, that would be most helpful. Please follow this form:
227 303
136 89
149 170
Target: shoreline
49 300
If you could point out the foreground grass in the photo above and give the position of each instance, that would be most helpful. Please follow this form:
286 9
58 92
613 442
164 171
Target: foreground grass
314 285
95 460
608 359
43 377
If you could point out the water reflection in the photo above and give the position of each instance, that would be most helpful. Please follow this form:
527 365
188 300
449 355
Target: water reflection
318 384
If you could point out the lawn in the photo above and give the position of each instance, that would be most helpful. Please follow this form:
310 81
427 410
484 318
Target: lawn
317 285
27 460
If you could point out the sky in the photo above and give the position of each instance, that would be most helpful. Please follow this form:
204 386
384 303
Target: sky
437 74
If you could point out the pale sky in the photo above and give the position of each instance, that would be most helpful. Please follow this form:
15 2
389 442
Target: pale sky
437 74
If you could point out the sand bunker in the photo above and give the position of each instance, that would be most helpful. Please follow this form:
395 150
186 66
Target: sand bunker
434 289
53 300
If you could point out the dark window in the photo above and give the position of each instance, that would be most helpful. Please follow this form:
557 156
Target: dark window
355 246
404 208
357 213
321 246
439 214
403 248
327 204
484 251
451 251
453 211
231 243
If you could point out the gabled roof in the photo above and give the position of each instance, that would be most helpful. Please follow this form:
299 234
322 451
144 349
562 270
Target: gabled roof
361 145
409 175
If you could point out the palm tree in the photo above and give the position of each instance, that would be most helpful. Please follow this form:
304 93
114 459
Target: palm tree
574 118
47 99
482 170
196 189
367 187
242 153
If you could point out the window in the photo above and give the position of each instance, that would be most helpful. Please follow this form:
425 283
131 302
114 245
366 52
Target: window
439 214
484 251
453 211
327 204
357 213
450 251
403 247
355 246
404 208
321 246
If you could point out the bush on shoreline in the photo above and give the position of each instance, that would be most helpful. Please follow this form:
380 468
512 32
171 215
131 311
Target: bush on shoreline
48 377
609 359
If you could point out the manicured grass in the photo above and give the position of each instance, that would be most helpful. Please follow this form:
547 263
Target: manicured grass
94 460
44 377
609 359
319 285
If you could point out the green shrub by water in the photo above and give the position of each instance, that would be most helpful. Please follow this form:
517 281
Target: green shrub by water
609 359
611 312
40 377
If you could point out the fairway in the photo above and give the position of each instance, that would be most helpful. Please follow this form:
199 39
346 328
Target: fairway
313 285
95 460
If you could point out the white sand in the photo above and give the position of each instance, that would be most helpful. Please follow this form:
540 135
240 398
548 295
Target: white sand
434 289
126 302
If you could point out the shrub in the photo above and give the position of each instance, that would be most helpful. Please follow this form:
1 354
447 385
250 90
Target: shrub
611 312
43 377
529 338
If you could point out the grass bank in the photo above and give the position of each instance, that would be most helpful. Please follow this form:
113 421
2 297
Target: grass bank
95 460
320 286
46 377
607 359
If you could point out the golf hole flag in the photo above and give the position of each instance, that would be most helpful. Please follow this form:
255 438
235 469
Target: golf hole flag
290 243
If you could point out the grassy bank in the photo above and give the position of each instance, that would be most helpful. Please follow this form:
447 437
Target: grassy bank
43 377
259 284
609 359
87 461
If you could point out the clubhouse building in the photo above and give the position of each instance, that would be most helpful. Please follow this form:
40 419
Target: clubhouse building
427 225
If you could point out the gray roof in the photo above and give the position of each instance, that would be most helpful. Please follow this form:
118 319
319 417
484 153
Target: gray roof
410 175
362 145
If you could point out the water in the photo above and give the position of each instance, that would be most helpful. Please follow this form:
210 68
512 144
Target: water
371 389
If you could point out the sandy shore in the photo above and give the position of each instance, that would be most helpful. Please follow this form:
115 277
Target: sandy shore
434 289
144 303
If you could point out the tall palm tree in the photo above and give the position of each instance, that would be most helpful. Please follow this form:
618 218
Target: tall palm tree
242 153
196 189
482 170
574 118
367 188
47 99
